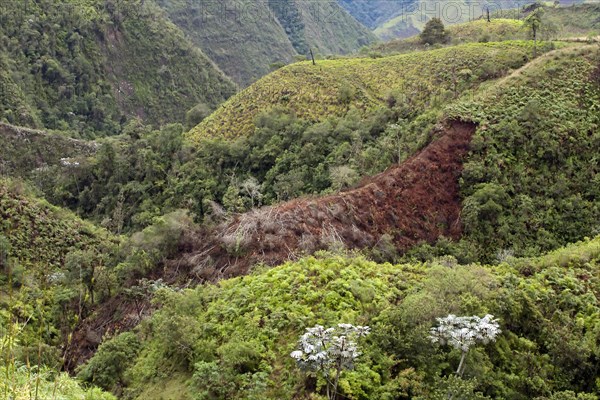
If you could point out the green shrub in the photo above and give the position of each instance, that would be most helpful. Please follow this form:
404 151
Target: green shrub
106 368
434 32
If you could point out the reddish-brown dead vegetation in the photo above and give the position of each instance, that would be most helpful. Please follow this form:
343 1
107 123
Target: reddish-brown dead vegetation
412 202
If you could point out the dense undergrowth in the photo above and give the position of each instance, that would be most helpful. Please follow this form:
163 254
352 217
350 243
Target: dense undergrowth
39 233
531 181
56 269
51 265
27 383
232 340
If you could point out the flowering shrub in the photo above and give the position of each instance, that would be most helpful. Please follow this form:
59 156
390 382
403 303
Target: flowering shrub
464 332
329 351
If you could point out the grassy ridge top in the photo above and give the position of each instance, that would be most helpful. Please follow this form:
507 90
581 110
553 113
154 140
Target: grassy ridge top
498 29
332 87
577 20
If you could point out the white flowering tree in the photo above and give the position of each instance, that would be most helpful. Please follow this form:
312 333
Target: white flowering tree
329 352
462 333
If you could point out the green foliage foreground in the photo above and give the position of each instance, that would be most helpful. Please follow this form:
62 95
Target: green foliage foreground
232 340
26 384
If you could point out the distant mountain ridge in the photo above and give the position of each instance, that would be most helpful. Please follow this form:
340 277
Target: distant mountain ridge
88 67
375 12
390 19
245 38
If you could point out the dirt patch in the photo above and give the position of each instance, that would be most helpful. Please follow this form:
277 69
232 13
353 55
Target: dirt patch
118 314
412 202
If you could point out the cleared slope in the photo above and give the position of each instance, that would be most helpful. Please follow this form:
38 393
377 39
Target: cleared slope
332 87
533 153
88 66
415 201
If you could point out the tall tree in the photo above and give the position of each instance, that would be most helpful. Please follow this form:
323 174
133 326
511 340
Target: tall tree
534 22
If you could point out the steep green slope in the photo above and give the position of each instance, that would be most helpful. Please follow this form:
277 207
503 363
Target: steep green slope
40 235
51 269
330 29
242 38
88 66
245 38
233 340
332 87
531 182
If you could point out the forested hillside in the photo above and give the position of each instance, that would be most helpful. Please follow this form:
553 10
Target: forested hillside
52 267
87 67
246 38
292 140
534 151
